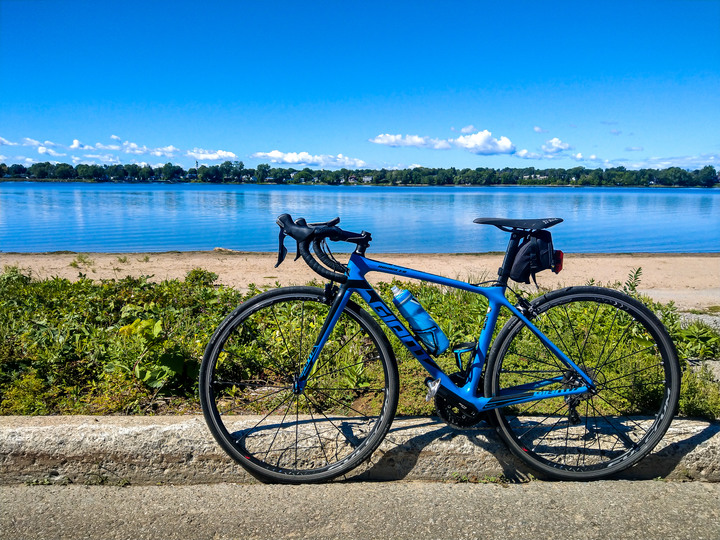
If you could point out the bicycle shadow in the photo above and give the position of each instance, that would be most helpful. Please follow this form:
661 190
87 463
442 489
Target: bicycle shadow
425 456
671 460
421 457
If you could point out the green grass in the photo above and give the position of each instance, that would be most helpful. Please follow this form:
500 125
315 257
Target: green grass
710 310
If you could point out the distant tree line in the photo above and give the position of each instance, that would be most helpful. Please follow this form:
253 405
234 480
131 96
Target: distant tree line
236 172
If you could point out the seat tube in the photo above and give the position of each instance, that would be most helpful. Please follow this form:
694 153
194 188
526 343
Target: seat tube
477 366
510 253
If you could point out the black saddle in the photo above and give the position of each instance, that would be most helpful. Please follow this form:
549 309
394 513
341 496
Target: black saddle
510 225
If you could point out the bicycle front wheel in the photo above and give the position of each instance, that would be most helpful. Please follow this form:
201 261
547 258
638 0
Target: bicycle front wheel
249 396
622 347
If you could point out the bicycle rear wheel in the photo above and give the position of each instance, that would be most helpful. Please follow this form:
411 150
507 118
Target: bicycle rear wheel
622 347
247 387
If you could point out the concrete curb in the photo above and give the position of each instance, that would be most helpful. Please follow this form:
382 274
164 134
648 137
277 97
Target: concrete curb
180 450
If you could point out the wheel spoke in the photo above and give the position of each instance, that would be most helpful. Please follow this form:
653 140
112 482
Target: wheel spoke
633 372
328 360
629 356
298 433
245 404
247 432
317 432
625 375
328 373
556 365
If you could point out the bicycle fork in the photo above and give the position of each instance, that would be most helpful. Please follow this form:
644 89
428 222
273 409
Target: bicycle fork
339 301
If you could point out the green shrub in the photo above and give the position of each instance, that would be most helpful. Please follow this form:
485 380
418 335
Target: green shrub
700 394
135 346
90 347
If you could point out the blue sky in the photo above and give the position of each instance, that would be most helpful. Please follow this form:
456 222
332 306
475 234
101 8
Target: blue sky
364 84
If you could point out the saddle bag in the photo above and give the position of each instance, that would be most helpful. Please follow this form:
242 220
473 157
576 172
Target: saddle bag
536 253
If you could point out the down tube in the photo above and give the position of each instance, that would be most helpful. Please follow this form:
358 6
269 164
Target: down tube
398 328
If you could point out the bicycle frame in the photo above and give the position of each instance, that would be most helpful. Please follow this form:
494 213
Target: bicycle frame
471 393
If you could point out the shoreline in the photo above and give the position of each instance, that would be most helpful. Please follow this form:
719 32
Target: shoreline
691 280
350 185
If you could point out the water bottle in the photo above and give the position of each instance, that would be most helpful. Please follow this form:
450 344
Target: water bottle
420 321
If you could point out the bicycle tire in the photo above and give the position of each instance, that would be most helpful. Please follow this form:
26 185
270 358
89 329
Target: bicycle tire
247 397
629 355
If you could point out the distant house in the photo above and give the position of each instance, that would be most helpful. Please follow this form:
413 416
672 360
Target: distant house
367 179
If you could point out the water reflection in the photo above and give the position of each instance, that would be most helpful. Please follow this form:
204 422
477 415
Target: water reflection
100 217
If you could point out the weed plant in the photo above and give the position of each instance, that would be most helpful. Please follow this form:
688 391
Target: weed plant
133 346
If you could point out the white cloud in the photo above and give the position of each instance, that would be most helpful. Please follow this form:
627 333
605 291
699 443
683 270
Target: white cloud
555 145
77 145
468 129
5 142
578 156
115 137
105 158
305 158
49 151
389 140
167 151
525 154
101 146
538 129
411 140
634 149
2 158
208 155
30 142
134 148
481 142
484 143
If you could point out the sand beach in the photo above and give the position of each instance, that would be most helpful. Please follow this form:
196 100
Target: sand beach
692 281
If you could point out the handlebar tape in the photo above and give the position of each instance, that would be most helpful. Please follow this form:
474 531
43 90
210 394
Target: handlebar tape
301 232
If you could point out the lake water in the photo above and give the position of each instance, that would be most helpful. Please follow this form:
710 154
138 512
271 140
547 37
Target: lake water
37 217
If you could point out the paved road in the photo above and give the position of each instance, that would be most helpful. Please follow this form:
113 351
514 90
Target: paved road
391 510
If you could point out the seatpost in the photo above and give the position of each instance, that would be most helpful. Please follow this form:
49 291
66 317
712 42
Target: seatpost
510 253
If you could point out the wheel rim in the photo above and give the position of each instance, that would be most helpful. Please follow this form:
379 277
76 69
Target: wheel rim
280 427
618 422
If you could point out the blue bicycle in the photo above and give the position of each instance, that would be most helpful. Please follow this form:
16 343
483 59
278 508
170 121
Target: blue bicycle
300 384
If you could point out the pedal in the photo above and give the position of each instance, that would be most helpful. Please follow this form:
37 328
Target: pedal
433 386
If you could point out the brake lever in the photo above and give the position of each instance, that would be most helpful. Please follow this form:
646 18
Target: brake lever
282 250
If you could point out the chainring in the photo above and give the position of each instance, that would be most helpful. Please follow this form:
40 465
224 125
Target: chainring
452 414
